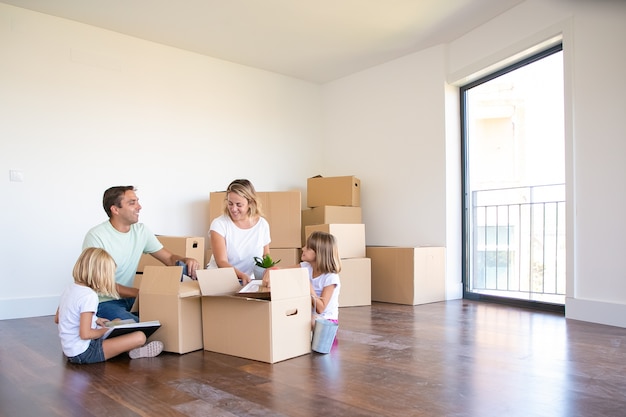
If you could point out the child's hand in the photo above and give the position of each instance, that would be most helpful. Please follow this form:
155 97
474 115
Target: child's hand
100 321
266 277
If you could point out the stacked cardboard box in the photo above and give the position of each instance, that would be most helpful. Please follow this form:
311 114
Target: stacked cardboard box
282 211
407 275
335 207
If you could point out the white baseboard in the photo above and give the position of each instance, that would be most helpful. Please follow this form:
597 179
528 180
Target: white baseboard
454 291
599 312
19 308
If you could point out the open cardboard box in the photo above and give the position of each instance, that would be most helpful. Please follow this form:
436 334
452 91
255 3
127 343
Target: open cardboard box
263 330
175 304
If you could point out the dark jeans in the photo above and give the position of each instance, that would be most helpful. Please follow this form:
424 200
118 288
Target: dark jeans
117 309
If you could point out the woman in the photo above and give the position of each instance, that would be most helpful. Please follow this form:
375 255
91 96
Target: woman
241 233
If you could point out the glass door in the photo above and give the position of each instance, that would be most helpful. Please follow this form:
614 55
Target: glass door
514 182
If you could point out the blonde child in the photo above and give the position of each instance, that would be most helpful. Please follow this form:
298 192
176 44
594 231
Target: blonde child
80 329
320 257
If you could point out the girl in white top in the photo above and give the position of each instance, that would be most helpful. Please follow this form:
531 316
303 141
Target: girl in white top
320 257
241 233
80 329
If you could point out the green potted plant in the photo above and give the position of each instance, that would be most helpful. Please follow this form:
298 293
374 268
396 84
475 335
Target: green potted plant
261 264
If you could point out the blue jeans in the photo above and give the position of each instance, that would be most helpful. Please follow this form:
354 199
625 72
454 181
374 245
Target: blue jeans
93 354
117 309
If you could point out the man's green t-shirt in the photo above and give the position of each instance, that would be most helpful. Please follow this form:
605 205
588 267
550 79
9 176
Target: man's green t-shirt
125 248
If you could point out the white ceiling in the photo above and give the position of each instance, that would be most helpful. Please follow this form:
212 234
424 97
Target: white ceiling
315 40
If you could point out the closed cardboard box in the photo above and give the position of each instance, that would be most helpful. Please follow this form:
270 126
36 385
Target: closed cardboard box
176 304
187 247
264 330
350 238
282 210
407 275
329 215
288 257
356 282
333 191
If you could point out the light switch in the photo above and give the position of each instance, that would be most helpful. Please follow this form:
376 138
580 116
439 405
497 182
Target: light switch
16 176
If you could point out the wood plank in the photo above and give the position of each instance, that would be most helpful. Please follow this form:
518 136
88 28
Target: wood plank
455 358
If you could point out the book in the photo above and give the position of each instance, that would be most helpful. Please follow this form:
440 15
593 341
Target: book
121 327
117 322
255 289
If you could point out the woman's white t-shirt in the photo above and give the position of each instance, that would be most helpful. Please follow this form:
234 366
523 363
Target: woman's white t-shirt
319 283
242 245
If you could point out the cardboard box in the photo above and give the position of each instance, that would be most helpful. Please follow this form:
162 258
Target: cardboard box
288 257
330 215
333 191
356 282
282 211
187 247
176 304
350 238
263 330
405 275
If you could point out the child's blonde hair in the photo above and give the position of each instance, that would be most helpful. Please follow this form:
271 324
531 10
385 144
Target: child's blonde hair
95 268
326 253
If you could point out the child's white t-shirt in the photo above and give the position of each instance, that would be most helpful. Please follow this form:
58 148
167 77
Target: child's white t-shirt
76 299
324 280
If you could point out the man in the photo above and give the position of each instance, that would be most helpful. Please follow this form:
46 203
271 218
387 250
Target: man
126 240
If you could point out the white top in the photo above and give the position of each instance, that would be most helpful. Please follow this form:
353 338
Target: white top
76 299
319 283
242 245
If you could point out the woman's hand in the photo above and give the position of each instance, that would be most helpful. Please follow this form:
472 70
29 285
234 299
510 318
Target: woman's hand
245 279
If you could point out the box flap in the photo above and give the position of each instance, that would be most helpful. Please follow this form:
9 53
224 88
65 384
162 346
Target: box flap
189 289
219 281
161 279
289 283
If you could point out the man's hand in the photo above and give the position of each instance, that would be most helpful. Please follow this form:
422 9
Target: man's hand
192 267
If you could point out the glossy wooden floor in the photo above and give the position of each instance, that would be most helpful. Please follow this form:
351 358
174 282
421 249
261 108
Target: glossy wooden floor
456 358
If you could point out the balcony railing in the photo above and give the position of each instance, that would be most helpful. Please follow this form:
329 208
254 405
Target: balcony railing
518 243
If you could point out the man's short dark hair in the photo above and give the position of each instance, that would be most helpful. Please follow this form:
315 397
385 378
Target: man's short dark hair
113 197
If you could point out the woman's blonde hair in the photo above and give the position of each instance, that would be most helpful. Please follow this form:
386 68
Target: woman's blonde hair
244 189
95 268
326 253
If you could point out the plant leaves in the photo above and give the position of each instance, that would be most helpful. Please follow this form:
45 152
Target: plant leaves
265 262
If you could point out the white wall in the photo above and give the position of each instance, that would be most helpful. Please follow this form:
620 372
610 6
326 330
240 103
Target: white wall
387 124
396 127
118 110
82 109
595 64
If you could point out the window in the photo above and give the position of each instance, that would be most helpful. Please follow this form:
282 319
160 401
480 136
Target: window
514 182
